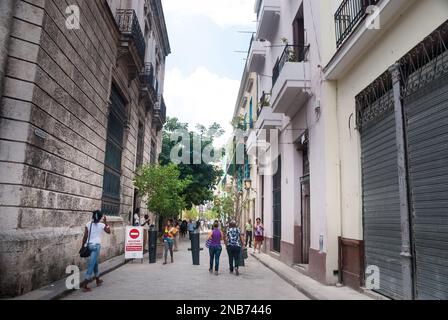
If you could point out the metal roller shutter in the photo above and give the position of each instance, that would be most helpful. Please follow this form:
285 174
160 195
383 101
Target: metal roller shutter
381 203
427 138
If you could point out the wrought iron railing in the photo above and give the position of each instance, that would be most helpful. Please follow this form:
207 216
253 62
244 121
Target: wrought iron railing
147 75
348 15
128 24
162 109
264 102
147 78
291 53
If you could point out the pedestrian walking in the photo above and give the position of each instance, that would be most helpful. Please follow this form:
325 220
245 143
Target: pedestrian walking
259 235
249 229
190 228
176 236
145 223
215 236
168 239
234 242
184 228
93 232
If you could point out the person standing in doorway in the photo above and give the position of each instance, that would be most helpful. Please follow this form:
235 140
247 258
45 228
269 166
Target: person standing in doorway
136 222
259 235
249 229
168 240
215 236
145 223
93 232
234 242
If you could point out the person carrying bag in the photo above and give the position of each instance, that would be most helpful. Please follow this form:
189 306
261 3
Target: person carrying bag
91 245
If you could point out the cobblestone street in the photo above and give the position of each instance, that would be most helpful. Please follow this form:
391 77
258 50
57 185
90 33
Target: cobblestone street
182 280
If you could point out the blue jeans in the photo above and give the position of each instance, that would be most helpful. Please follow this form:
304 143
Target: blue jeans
215 253
92 267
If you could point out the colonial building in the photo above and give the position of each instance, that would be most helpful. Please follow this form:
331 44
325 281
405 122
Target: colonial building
389 70
296 195
356 94
81 107
242 169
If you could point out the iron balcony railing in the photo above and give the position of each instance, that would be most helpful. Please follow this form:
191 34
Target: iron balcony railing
291 53
162 109
264 102
147 77
128 24
348 16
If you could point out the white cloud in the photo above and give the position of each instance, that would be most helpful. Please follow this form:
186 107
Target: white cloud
223 12
201 97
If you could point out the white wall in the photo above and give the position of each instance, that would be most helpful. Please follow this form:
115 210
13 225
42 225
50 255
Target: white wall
413 26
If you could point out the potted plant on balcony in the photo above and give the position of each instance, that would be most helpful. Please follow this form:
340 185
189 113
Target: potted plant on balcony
289 51
162 189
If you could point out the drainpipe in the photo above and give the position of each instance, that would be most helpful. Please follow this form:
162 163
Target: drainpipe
406 263
6 13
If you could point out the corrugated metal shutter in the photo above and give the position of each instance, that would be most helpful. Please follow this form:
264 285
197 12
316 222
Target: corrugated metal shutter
427 138
381 203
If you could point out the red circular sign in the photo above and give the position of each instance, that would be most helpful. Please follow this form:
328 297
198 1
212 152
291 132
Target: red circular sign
134 233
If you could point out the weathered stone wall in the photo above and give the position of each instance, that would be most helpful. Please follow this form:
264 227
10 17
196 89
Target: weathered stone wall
53 128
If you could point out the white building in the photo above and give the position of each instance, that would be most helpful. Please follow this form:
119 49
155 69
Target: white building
329 208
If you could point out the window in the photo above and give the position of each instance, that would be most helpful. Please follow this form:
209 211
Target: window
153 154
140 144
114 149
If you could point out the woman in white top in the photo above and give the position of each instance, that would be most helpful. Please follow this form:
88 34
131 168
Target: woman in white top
93 232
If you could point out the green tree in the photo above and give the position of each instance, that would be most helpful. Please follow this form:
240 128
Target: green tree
192 214
162 188
204 176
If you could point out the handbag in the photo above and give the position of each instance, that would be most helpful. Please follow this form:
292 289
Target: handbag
208 243
85 252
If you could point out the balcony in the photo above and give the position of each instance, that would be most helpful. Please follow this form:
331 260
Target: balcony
159 115
291 80
257 56
132 42
148 93
349 14
268 16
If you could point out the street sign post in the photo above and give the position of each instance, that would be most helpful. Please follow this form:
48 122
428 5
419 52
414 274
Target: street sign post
133 247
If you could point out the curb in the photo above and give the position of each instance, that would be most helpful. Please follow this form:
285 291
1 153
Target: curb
57 290
287 279
67 292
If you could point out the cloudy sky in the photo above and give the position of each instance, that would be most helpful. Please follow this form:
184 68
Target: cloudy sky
203 72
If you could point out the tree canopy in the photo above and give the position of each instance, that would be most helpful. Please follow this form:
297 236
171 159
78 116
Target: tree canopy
163 189
204 176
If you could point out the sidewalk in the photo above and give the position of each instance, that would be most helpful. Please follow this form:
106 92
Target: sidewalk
308 286
58 289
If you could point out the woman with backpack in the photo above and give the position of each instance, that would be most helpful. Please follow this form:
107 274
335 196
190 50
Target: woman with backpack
91 243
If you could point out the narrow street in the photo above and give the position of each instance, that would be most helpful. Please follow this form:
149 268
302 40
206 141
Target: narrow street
182 280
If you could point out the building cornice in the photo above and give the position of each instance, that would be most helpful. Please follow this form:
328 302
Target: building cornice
159 16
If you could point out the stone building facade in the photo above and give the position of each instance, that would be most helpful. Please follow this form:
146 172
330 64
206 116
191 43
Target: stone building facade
81 107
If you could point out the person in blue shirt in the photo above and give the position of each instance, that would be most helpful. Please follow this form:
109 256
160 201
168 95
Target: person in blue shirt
190 228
